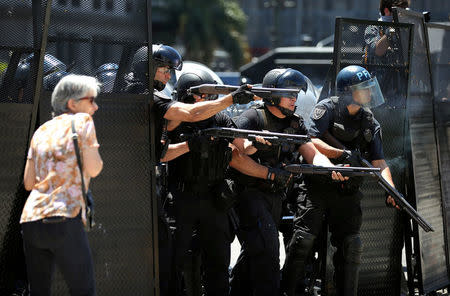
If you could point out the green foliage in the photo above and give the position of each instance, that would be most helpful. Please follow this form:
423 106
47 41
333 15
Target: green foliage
202 26
3 67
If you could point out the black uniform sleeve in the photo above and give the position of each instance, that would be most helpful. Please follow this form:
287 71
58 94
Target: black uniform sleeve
248 120
376 146
161 106
320 120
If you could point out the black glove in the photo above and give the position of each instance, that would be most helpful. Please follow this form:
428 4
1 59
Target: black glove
351 157
242 95
198 144
262 147
282 177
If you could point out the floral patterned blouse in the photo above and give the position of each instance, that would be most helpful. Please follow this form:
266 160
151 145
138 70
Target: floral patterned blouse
57 191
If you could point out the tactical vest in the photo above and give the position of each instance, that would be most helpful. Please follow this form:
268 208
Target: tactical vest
278 155
206 167
282 153
354 133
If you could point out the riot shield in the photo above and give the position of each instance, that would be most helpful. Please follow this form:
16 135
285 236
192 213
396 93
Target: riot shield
429 248
439 40
82 36
17 84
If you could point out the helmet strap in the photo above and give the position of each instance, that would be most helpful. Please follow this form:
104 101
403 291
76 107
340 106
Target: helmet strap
346 99
286 111
158 85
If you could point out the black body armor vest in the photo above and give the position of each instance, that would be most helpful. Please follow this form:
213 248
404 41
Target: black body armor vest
206 167
283 153
278 155
354 132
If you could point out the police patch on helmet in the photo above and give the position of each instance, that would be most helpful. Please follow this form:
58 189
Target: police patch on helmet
318 112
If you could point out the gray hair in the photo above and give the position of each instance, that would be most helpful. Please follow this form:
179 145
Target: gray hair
72 87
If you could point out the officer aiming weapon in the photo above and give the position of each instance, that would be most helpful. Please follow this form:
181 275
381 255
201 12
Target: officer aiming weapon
399 199
397 196
367 170
226 132
262 92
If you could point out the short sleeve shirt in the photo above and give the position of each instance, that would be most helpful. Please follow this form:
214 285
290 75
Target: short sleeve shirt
57 191
160 107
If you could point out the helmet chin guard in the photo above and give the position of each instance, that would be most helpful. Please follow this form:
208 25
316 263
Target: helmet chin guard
158 85
284 78
286 111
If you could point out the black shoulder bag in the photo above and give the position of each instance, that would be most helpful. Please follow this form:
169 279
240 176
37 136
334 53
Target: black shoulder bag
87 195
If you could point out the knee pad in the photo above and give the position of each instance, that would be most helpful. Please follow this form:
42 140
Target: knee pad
352 249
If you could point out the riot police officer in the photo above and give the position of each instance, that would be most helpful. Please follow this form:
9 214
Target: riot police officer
341 128
196 177
53 71
383 53
106 75
50 81
264 186
168 114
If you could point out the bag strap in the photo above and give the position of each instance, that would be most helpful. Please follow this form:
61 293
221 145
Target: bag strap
77 152
262 116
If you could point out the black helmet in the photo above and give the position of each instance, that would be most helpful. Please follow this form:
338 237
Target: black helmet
166 56
284 78
52 79
193 78
108 67
163 56
355 78
21 75
51 65
106 75
139 64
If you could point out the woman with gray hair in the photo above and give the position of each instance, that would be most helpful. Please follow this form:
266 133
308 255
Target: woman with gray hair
54 213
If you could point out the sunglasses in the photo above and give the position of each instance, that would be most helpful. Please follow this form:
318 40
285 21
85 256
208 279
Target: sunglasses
91 99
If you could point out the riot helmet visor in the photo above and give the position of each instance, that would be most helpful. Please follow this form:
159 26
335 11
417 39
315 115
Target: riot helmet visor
367 93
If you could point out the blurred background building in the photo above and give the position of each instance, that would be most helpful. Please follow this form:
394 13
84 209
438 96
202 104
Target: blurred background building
280 23
223 34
